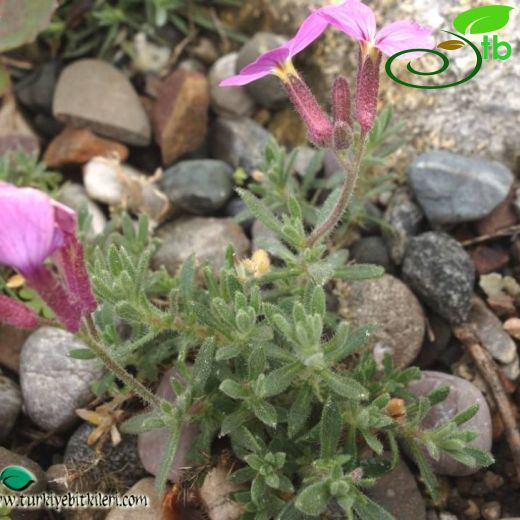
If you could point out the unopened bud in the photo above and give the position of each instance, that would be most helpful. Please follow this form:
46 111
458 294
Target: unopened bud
367 90
17 314
342 135
341 101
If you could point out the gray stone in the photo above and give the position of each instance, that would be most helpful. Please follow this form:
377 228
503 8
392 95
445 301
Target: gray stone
441 273
54 384
390 489
145 487
75 197
490 330
206 238
462 395
228 101
398 316
121 461
94 94
267 91
198 186
238 142
305 155
261 235
10 405
404 216
435 346
452 188
372 250
36 90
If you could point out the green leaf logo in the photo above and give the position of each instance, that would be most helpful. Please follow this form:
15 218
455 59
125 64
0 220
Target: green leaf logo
16 478
484 19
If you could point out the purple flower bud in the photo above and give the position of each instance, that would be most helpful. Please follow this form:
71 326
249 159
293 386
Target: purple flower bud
367 88
341 101
342 135
317 122
17 314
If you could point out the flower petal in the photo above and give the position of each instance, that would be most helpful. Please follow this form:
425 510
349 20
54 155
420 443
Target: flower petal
262 66
353 18
27 233
17 314
403 35
310 30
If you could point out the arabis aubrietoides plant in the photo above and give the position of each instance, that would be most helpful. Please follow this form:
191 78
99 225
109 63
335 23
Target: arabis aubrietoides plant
311 417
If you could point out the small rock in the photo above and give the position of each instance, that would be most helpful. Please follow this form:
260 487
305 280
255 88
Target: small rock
511 370
10 405
512 327
151 445
491 511
490 259
288 128
462 394
94 94
434 348
216 492
404 216
238 142
36 89
372 250
198 186
102 179
207 238
387 302
304 157
490 330
235 207
54 384
441 273
59 478
148 56
390 489
145 487
447 516
11 343
228 101
75 197
452 188
267 91
78 146
501 217
121 461
180 114
15 132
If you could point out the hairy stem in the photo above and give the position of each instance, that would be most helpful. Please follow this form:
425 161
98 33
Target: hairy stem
119 371
351 176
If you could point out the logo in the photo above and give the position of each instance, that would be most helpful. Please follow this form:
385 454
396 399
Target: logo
16 478
480 20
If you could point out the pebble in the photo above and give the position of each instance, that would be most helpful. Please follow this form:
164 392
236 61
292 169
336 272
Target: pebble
121 461
239 142
404 217
78 146
207 238
102 181
304 157
198 186
268 91
11 343
146 487
53 384
372 250
36 89
490 259
180 114
440 272
216 492
490 330
94 94
10 405
228 101
434 348
389 303
75 197
390 489
491 511
151 445
148 56
462 394
452 188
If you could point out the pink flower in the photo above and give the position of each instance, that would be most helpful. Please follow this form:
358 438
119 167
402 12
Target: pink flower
35 228
278 61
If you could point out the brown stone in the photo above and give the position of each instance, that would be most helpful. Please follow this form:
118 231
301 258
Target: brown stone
11 343
78 146
501 217
488 259
180 114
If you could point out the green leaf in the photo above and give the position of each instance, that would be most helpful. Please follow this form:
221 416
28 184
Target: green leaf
261 211
359 272
345 386
313 499
81 353
300 410
256 363
330 429
233 389
203 365
143 422
168 456
266 412
16 478
483 19
279 380
22 20
367 509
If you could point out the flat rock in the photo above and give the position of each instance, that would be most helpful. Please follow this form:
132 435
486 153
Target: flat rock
398 315
372 250
267 91
78 146
206 238
441 273
462 394
239 142
180 114
53 384
198 186
145 487
10 405
228 101
93 94
452 188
